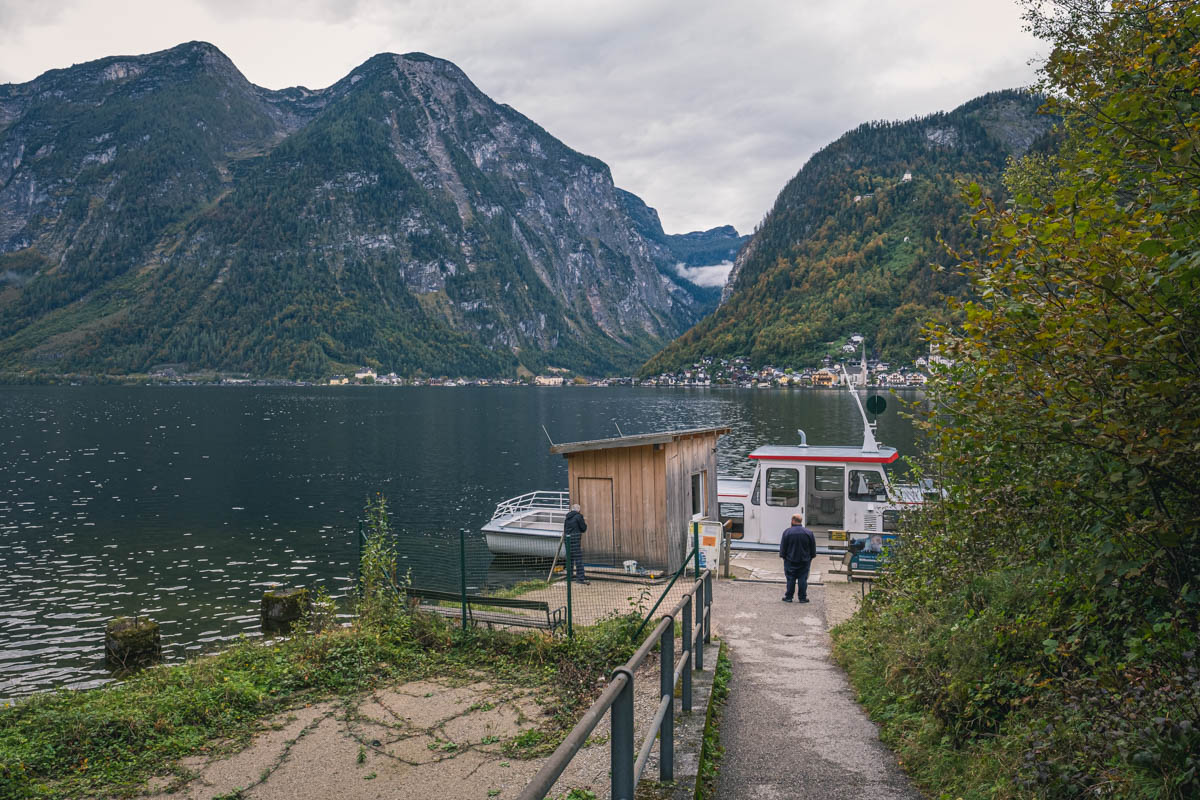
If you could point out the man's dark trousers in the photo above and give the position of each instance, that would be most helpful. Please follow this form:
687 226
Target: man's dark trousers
797 578
575 543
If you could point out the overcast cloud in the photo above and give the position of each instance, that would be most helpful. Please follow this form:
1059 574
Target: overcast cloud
703 109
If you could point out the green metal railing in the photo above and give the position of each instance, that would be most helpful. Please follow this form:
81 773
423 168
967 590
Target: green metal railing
626 771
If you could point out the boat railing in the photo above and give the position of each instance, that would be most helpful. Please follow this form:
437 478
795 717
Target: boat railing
539 500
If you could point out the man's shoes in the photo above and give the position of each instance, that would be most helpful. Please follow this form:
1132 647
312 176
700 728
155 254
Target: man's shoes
786 599
581 581
803 600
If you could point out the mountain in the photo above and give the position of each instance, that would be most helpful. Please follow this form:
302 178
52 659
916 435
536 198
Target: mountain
161 209
708 254
849 244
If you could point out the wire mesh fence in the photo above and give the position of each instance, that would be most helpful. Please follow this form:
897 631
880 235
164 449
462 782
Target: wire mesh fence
552 585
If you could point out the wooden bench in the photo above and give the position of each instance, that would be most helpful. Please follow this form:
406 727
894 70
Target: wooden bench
549 620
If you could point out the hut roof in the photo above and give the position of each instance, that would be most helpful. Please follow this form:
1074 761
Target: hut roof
639 440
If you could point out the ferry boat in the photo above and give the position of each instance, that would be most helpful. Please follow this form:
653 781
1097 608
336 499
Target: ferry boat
837 490
834 489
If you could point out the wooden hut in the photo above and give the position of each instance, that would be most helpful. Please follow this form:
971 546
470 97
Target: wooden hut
639 493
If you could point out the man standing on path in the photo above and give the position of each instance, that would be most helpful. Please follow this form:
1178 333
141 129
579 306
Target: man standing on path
574 527
797 548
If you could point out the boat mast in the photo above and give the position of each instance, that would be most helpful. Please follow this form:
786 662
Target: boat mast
869 443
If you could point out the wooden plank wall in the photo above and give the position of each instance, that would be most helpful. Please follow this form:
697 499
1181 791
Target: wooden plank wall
639 513
686 456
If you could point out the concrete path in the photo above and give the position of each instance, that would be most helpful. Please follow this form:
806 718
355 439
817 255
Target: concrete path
792 728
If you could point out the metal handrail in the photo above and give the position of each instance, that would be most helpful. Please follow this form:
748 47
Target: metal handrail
618 696
551 501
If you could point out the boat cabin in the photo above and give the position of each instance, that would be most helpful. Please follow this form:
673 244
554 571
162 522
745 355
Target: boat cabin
831 488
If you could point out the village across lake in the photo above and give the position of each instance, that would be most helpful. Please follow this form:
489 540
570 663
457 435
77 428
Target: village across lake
184 503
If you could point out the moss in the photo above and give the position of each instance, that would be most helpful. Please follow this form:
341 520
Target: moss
281 608
132 642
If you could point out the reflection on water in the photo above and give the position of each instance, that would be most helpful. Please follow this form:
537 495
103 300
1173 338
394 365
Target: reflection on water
182 503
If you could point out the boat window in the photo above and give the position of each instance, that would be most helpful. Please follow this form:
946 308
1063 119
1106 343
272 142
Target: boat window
783 487
699 500
867 485
736 514
754 495
828 479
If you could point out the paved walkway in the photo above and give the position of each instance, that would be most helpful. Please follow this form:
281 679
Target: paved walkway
792 728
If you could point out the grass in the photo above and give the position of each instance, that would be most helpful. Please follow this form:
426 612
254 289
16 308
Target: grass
710 747
109 741
920 744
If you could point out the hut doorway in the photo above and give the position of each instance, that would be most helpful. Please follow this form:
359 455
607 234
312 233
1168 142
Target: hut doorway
596 502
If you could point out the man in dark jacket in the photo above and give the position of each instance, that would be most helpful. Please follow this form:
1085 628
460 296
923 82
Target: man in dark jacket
797 548
574 527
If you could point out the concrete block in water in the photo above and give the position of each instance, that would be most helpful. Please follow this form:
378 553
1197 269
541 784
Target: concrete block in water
132 642
282 607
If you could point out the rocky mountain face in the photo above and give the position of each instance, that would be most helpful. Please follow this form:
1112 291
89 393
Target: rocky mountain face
850 244
161 209
697 250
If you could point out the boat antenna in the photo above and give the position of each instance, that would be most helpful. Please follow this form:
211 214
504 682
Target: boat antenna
618 428
869 443
547 435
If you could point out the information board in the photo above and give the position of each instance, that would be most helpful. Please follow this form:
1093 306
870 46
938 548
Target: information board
869 550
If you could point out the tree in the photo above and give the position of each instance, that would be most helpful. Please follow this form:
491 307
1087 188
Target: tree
1046 613
1082 351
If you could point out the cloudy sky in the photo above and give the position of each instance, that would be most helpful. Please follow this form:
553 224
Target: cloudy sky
703 108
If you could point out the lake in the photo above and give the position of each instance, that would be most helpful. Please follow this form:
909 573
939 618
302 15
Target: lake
182 503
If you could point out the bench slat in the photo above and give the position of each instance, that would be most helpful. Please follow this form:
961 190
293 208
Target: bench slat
493 617
553 618
480 600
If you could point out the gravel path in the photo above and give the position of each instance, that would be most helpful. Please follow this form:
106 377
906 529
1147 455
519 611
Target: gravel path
792 728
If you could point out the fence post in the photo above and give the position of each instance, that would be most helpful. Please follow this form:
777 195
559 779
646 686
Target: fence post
358 563
698 653
666 672
686 648
696 546
708 589
726 549
462 573
621 747
570 609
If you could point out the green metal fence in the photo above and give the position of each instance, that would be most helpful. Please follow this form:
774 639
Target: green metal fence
453 574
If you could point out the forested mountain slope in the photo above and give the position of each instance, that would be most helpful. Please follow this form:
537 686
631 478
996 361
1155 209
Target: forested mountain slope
849 244
161 209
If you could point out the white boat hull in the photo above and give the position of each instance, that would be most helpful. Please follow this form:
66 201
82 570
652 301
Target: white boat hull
524 543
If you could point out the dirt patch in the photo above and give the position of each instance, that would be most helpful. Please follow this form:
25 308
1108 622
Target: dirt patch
421 739
424 739
842 599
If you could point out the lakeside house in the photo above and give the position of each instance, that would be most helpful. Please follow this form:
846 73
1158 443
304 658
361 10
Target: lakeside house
824 378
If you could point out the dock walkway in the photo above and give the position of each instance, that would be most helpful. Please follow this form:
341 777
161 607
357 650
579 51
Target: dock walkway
792 728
